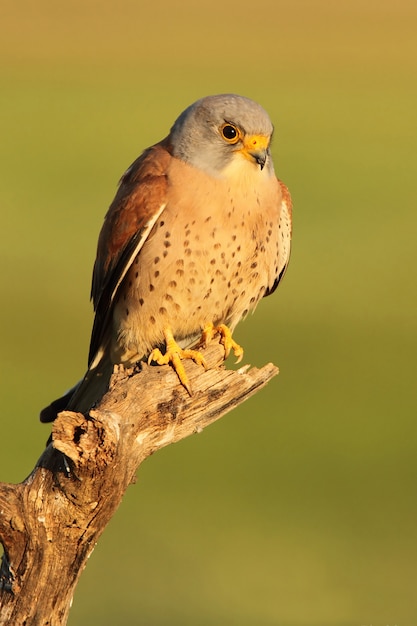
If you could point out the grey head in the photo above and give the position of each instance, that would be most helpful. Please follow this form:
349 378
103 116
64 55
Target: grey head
212 131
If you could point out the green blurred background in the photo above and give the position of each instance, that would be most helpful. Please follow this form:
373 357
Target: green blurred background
300 507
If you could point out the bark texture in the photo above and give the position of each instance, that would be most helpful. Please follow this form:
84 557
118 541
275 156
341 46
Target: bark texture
50 523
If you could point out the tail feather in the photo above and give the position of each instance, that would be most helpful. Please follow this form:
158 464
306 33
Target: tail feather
83 396
49 413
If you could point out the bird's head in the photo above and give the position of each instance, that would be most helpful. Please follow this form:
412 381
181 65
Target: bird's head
219 134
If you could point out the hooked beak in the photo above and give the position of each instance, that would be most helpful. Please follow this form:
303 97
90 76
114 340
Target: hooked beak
255 148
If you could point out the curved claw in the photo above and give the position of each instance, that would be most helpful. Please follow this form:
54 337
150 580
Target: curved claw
226 340
174 355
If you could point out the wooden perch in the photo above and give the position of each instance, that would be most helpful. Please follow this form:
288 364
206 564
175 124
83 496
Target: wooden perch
50 523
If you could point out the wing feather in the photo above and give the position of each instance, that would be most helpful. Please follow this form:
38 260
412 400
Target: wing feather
285 230
139 201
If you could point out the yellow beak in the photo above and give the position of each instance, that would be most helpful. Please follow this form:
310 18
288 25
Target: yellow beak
255 148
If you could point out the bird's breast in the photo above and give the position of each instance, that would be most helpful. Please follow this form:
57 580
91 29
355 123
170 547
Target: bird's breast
210 258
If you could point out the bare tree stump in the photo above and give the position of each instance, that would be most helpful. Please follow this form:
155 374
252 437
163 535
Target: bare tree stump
50 523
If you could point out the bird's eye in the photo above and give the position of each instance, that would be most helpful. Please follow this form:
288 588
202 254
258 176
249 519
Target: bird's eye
230 133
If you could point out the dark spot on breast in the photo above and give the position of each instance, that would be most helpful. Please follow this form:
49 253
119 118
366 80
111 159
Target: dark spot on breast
136 274
167 234
162 310
167 244
188 251
165 253
152 319
180 262
161 223
213 262
254 264
141 301
168 297
172 283
156 260
180 272
127 312
151 287
156 274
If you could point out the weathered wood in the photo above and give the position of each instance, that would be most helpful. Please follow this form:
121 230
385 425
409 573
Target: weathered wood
50 523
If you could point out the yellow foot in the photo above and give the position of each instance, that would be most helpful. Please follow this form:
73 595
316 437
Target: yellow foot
173 355
226 340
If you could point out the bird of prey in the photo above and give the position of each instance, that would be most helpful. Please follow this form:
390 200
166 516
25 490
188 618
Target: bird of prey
198 232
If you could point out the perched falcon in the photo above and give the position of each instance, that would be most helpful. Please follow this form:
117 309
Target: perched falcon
198 233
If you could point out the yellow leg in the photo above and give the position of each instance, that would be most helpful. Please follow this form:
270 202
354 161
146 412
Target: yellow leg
226 340
174 354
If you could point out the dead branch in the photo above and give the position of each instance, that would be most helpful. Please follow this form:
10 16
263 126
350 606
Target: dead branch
50 523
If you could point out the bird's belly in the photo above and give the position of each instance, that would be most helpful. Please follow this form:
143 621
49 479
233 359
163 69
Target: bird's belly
192 280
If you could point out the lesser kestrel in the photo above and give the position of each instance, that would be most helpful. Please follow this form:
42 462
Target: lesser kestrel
198 233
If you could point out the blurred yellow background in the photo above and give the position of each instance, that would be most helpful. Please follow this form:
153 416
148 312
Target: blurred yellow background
300 507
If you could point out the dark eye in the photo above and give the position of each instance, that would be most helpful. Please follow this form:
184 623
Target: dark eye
230 133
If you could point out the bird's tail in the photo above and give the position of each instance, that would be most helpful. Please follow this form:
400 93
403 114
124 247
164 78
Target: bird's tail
85 394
